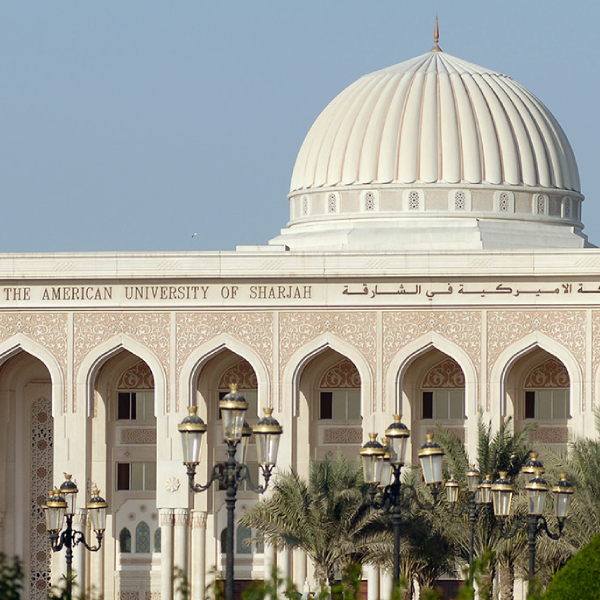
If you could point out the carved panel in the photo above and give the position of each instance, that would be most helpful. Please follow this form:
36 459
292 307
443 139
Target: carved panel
342 375
252 328
138 377
550 374
47 329
550 435
459 432
357 328
446 374
150 329
342 435
138 436
42 441
462 328
241 373
507 326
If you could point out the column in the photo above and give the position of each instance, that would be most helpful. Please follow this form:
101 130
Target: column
198 565
97 572
79 524
166 552
372 582
283 564
387 585
299 569
269 561
180 545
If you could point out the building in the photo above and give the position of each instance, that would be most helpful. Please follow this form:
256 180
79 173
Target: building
434 263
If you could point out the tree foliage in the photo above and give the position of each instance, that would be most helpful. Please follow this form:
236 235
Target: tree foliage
328 516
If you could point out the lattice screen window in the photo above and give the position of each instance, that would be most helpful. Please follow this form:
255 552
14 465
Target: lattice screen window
541 204
304 206
504 202
414 200
460 200
125 541
332 203
369 201
142 538
567 208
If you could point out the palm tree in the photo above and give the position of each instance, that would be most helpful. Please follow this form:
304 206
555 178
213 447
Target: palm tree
329 517
503 450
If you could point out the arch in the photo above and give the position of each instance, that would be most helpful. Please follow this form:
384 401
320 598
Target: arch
510 355
20 342
409 353
201 355
303 355
86 376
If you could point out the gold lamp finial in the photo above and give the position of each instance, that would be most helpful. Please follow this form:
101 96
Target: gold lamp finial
436 37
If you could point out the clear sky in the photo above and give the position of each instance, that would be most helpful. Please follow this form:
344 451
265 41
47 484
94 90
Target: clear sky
129 125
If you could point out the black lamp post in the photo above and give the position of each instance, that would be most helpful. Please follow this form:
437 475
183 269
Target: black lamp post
480 495
536 489
232 472
382 466
60 504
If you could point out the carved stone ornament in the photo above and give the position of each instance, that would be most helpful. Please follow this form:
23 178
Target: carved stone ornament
359 329
172 484
341 375
242 374
137 377
550 374
446 374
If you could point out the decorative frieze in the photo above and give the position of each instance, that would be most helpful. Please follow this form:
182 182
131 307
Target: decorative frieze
149 329
342 435
139 435
462 328
253 329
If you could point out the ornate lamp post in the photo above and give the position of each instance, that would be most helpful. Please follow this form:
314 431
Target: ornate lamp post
480 495
536 489
232 472
382 466
60 504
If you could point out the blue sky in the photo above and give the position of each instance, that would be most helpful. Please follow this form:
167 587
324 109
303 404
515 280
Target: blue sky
129 125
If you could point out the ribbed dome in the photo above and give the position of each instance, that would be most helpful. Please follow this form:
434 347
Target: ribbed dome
436 119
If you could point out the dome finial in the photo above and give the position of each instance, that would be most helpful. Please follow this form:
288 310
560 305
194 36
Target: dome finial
436 37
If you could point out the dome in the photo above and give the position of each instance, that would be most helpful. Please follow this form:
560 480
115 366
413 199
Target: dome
437 152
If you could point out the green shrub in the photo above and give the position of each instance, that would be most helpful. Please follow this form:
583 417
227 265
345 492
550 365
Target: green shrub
579 579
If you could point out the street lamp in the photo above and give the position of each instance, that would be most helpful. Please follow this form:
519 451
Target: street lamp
479 496
61 503
232 472
382 465
536 490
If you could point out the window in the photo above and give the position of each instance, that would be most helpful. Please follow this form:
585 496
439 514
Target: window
142 538
444 404
157 540
547 404
340 405
242 543
125 541
136 476
135 406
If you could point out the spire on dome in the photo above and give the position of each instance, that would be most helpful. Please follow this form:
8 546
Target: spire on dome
436 37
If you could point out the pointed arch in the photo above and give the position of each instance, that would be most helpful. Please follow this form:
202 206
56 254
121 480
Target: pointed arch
292 372
201 355
409 353
518 349
20 342
86 376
